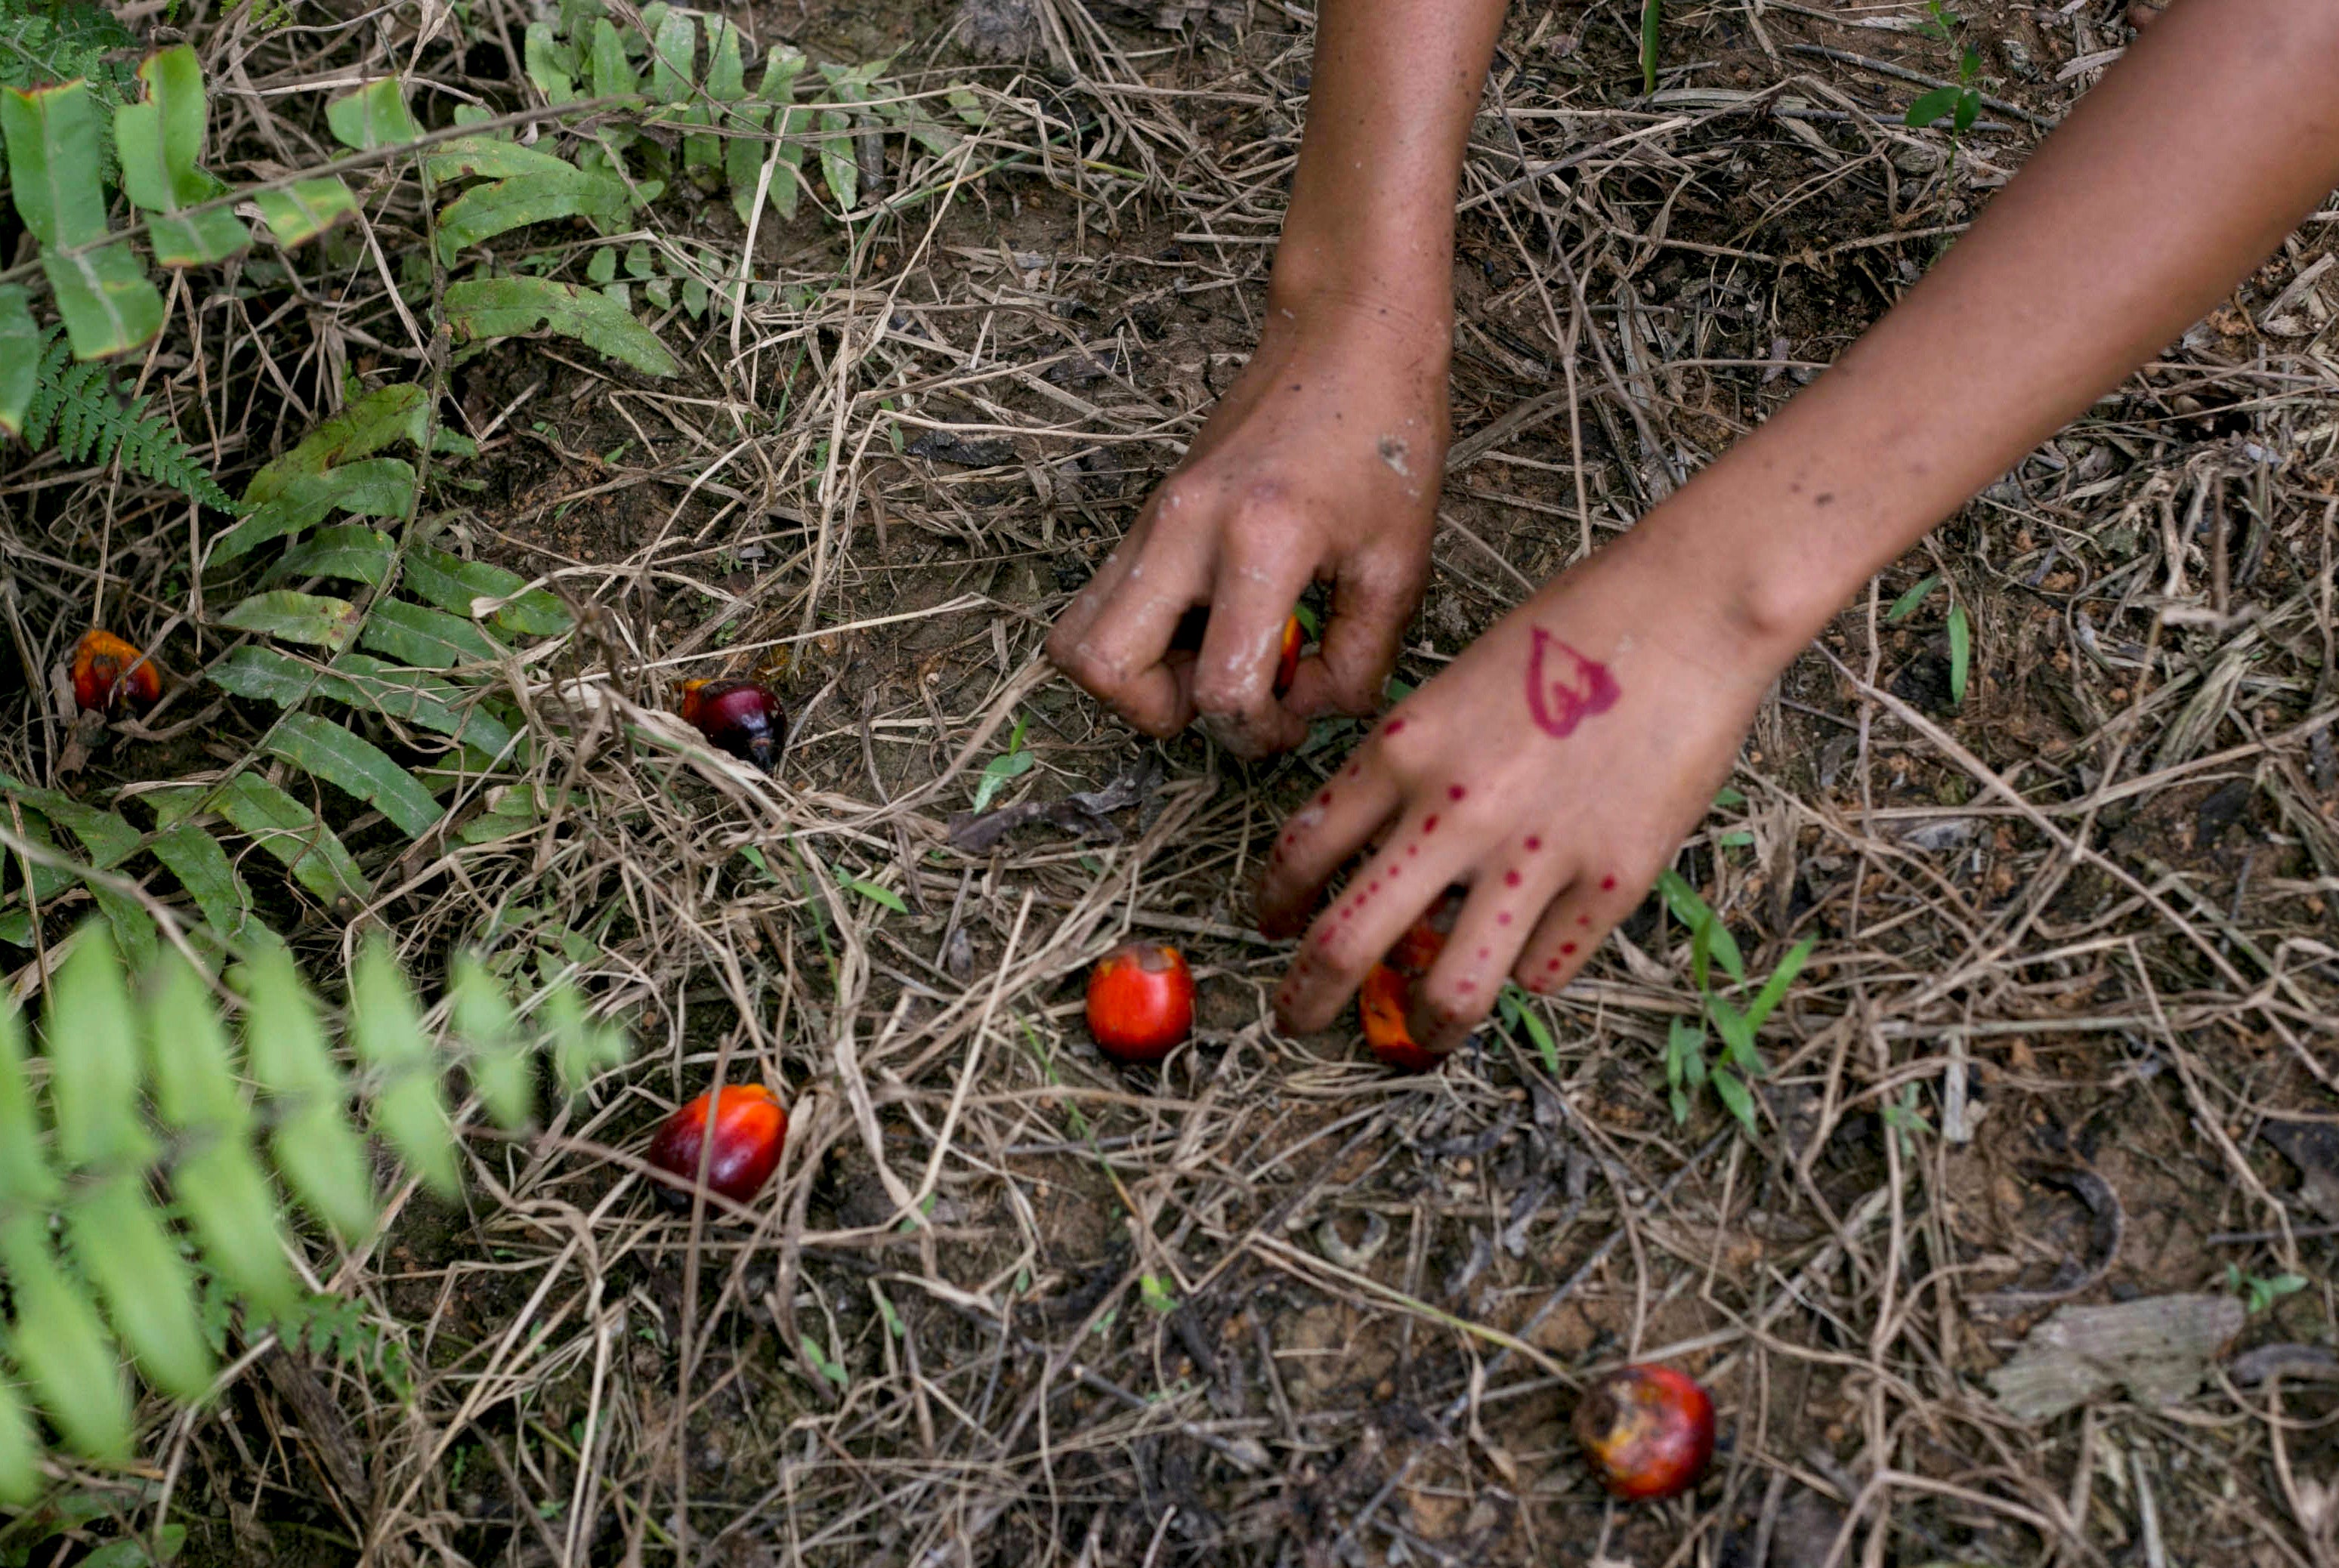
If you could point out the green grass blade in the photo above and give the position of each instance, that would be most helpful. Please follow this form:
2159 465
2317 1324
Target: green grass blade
350 763
1652 26
320 1155
1774 990
1960 652
1906 605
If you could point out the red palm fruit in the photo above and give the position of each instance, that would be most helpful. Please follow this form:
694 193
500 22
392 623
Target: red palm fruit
106 670
1648 1430
744 718
1287 667
750 1128
1381 1002
1141 1002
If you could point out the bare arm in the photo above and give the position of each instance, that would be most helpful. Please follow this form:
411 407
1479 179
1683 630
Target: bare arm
1554 767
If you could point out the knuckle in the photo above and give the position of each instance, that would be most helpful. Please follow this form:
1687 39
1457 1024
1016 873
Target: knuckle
1263 493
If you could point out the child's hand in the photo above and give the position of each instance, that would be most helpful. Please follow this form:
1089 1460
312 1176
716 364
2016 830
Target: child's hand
1553 768
1322 464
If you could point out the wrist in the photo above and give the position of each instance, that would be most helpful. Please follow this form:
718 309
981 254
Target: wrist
1333 276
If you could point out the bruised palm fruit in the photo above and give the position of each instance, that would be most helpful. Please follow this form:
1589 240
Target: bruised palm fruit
1141 1002
1648 1430
1387 994
741 717
106 670
750 1128
1195 623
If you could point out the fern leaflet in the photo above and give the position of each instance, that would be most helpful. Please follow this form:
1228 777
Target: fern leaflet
76 403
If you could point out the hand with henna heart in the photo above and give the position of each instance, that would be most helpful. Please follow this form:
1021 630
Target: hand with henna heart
1555 766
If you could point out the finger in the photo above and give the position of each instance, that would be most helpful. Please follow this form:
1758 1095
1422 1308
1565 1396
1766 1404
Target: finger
1319 837
1234 679
1372 913
1460 988
1363 631
1118 653
1572 929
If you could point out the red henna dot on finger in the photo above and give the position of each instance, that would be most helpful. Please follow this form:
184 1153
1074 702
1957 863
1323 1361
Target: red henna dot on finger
1533 844
1553 967
1607 884
1454 791
1413 849
1465 985
1510 879
1584 921
1482 952
1567 947
1394 725
1429 825
1355 769
1324 799
1504 918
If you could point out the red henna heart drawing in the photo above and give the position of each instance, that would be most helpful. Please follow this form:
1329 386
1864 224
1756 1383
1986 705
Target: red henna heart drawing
1564 687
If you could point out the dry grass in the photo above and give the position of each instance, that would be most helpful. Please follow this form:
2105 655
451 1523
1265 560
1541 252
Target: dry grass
1009 1304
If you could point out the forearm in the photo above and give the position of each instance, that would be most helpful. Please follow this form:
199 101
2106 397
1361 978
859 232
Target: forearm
2182 171
1394 86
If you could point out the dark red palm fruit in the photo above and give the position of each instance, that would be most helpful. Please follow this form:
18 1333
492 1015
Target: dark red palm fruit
1648 1430
106 670
751 1127
1287 667
743 717
1141 1002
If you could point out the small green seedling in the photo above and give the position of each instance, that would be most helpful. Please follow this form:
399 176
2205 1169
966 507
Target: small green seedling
2259 1292
1960 629
1958 104
1011 764
1653 18
1687 1067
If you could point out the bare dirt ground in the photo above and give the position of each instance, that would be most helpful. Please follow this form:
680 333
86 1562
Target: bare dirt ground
2066 1038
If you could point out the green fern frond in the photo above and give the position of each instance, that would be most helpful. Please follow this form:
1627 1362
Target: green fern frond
75 403
62 39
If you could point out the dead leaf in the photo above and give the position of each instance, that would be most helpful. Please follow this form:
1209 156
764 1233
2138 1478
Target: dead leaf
2158 1348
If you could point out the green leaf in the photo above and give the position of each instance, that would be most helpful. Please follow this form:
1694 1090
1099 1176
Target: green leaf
1906 605
997 771
93 1059
1738 1047
217 1180
1651 23
375 487
269 675
838 167
109 838
484 212
876 895
160 141
54 136
386 1031
1968 108
323 1159
20 353
1960 652
829 1369
375 116
483 307
291 833
102 296
350 551
20 1449
26 1182
62 1346
549 62
149 1292
674 49
1774 990
426 638
296 617
613 74
1931 107
457 585
500 1069
581 1049
304 210
1737 1098
203 868
348 762
727 78
387 414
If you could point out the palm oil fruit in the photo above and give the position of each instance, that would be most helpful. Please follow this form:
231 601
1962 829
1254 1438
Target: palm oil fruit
749 1126
741 716
106 671
1141 1002
1387 995
1648 1431
1286 665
